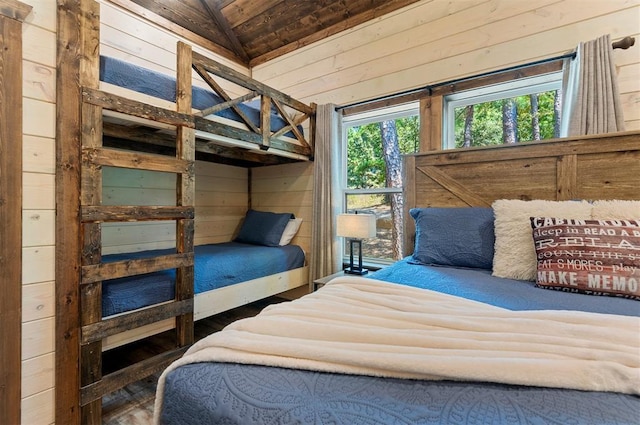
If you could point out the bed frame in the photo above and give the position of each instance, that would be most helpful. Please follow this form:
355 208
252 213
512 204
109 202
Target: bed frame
588 167
86 114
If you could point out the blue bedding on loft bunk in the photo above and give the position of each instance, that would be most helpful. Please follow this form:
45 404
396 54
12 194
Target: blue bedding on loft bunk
127 75
216 266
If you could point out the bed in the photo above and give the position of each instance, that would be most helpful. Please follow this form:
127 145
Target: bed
216 266
259 262
470 328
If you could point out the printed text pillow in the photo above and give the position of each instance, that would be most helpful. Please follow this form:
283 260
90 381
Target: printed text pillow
596 257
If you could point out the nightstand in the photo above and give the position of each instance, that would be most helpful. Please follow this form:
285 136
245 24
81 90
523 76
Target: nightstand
323 280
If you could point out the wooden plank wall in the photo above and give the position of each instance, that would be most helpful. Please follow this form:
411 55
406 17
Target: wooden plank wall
221 201
38 212
440 40
287 188
137 187
12 14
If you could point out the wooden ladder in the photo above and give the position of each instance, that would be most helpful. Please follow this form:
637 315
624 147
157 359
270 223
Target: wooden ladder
93 328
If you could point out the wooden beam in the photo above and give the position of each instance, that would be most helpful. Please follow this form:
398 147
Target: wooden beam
225 105
135 160
431 124
222 23
134 108
133 373
293 123
234 133
151 141
135 213
134 319
185 196
265 122
77 53
105 271
12 13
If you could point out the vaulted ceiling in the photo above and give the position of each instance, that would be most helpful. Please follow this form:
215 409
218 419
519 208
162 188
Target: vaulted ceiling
252 32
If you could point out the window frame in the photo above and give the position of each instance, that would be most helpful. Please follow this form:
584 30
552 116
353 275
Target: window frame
363 118
488 93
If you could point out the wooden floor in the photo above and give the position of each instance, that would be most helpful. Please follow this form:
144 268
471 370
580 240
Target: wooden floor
133 405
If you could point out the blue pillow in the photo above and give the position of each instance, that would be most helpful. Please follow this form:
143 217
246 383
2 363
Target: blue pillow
458 237
263 228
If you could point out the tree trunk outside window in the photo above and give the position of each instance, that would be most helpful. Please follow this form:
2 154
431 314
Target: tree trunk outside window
509 121
535 119
468 123
391 153
557 106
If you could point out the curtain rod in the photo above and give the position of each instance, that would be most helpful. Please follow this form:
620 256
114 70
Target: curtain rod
624 43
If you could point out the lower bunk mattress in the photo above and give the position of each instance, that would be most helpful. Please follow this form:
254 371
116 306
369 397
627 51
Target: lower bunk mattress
231 393
215 266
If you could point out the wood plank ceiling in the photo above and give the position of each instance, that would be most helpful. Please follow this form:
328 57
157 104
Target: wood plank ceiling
252 32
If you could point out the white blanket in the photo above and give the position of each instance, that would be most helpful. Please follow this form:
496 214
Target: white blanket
364 326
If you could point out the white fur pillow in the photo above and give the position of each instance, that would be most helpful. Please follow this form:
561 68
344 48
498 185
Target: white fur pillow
515 255
616 210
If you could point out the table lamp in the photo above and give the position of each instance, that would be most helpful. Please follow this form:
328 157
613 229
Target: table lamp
356 227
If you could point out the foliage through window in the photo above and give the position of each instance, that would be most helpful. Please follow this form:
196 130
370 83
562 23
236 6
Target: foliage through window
523 110
373 144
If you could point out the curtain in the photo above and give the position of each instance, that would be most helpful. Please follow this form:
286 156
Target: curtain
325 249
591 98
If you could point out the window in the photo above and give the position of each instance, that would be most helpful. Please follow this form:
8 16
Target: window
372 179
521 110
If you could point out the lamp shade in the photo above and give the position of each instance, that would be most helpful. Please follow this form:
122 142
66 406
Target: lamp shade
357 226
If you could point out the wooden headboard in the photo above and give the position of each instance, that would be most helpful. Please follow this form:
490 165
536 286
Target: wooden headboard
587 167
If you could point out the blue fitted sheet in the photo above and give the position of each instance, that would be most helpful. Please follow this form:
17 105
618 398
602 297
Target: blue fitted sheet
206 393
215 266
479 285
142 80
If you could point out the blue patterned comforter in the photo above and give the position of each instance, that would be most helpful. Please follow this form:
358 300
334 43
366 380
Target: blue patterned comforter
222 393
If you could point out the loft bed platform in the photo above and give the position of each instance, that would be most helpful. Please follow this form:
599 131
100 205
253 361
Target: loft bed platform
260 127
101 124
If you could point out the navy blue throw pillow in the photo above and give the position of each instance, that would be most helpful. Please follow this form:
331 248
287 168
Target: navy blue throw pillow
263 228
458 237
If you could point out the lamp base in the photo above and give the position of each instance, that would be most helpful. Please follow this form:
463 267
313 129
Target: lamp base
355 271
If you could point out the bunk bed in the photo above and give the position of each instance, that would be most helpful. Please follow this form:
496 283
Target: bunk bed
233 129
447 335
101 124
